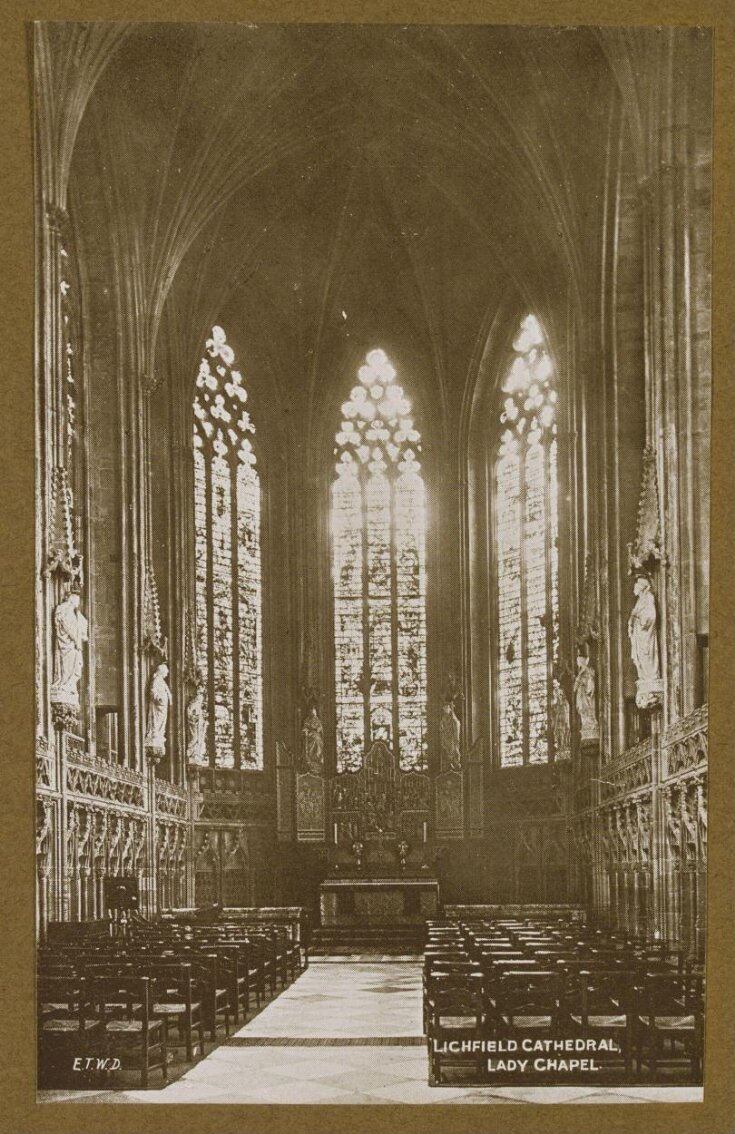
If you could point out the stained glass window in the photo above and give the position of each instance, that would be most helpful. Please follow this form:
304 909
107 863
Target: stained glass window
526 535
227 559
379 572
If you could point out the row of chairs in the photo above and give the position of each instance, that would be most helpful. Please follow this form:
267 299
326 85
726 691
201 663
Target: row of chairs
124 996
512 980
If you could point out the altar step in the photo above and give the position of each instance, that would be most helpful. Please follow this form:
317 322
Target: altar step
391 940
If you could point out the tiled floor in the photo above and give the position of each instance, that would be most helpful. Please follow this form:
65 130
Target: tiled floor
284 1055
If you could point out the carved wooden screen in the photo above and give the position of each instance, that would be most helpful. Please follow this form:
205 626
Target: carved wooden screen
526 533
227 553
379 571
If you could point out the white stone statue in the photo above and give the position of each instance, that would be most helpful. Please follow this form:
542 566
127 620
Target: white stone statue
643 634
312 743
450 730
561 721
196 727
70 634
584 696
159 699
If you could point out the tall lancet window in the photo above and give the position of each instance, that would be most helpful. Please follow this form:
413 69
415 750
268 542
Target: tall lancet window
379 570
227 552
526 538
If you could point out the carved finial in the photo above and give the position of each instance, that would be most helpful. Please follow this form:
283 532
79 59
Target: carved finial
64 560
647 545
192 671
588 627
154 642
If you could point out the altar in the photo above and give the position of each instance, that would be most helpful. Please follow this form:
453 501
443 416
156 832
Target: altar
378 901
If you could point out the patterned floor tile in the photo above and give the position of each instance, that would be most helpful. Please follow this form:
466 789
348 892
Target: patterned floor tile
605 1097
366 1079
321 1069
486 1098
540 1094
351 1001
298 1092
665 1094
417 1092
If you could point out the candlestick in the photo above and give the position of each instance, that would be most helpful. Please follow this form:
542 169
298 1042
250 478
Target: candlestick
336 838
426 825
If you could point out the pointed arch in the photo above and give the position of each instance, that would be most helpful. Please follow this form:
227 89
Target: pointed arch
526 528
227 507
378 521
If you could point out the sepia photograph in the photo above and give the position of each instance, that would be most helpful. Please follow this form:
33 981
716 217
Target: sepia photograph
372 477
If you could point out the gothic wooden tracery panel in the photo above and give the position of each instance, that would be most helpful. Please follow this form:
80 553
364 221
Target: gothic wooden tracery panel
379 573
527 557
227 556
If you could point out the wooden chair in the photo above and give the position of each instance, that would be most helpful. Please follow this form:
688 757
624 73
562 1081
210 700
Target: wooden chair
67 1029
599 1004
455 1013
463 974
671 1012
523 1003
176 999
133 1036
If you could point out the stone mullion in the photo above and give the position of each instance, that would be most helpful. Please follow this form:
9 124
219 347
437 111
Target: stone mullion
234 466
523 645
395 707
209 598
365 615
548 537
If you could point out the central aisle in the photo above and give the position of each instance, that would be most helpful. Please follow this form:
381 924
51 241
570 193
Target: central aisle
350 1033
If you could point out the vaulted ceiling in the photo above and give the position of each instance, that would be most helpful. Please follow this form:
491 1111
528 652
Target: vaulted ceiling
320 190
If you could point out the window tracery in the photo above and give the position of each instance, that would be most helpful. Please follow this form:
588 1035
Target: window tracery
227 559
527 556
379 572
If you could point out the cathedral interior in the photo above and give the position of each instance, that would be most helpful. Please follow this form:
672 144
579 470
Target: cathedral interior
373 416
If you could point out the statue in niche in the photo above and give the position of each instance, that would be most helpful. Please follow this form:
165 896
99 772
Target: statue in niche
450 730
196 727
70 634
159 699
584 696
643 634
312 743
561 721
